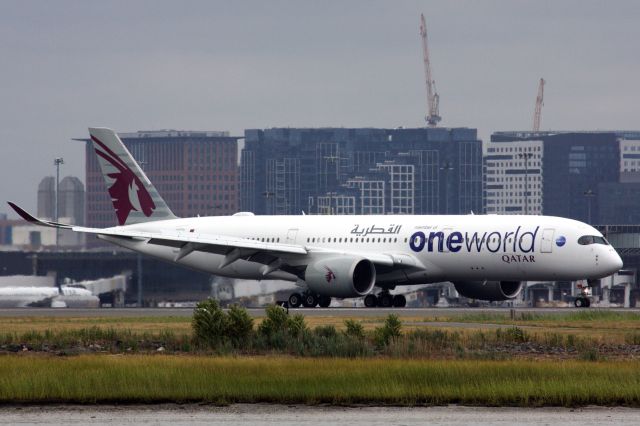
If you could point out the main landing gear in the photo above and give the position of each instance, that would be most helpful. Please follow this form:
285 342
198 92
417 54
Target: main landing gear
385 299
309 300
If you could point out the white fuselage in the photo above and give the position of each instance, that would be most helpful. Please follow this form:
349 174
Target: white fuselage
425 248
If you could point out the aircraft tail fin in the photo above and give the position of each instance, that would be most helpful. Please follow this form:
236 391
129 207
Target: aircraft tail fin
134 197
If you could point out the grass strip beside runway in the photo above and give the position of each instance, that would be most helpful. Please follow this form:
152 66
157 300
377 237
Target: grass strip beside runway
286 380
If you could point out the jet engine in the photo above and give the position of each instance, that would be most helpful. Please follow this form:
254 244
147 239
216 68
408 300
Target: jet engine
488 290
341 276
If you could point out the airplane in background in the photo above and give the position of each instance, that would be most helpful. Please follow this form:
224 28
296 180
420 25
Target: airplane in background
486 257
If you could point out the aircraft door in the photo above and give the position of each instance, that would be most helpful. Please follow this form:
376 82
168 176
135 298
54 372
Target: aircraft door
546 245
291 235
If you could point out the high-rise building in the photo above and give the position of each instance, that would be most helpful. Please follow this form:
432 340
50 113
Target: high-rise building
564 171
196 172
72 200
513 177
362 171
47 197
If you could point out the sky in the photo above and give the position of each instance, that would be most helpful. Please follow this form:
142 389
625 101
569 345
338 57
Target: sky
232 65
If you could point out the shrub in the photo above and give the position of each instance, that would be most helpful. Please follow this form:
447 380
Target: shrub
239 326
326 331
390 331
210 324
278 322
296 325
354 329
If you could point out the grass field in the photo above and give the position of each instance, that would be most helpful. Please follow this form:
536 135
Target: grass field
162 378
590 335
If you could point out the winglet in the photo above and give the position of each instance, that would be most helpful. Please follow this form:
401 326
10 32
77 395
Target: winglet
32 219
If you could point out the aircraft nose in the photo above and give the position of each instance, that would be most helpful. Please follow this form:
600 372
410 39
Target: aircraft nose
614 262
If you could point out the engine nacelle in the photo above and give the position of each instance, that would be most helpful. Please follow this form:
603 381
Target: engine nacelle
341 276
488 290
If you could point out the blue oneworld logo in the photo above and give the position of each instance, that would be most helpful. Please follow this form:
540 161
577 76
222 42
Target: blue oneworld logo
560 241
494 242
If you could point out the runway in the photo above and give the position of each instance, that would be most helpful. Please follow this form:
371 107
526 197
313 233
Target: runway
286 415
259 312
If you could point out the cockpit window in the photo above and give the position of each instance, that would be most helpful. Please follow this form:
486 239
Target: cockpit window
585 240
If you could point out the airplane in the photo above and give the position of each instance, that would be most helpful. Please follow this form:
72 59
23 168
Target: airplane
56 297
486 257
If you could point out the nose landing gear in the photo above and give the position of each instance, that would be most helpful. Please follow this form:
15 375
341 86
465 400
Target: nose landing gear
582 302
584 297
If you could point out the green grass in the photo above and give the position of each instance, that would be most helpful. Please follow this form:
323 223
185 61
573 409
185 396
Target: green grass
151 379
572 316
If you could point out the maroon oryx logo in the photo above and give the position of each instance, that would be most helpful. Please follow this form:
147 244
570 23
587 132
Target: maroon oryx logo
127 192
329 276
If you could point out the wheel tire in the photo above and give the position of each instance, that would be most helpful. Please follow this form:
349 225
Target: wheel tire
309 300
385 300
587 302
324 301
370 301
295 300
578 303
399 301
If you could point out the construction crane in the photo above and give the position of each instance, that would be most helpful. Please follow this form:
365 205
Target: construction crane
539 103
433 100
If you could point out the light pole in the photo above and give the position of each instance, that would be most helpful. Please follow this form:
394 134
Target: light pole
589 194
446 167
526 156
57 162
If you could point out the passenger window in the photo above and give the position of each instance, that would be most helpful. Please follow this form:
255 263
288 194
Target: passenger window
340 240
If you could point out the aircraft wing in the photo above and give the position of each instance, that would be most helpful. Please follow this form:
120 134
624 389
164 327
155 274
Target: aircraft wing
232 248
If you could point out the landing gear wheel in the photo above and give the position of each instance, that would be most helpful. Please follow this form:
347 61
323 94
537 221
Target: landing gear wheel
295 300
309 300
587 302
399 301
370 301
324 301
579 302
385 300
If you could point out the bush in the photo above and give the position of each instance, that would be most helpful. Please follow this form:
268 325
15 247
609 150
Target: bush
326 331
210 324
354 329
239 326
278 322
390 331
